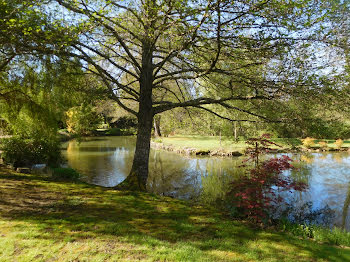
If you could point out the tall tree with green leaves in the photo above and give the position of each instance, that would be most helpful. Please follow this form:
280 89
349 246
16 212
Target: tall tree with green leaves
29 44
142 47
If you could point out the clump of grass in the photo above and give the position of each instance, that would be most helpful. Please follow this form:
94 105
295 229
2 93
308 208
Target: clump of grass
335 236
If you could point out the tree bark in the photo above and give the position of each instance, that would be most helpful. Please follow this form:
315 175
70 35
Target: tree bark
137 179
157 126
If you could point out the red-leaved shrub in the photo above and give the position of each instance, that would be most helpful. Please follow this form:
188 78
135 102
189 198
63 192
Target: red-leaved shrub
257 192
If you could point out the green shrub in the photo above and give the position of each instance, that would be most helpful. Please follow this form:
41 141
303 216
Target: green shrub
114 132
300 230
65 173
120 132
27 152
82 120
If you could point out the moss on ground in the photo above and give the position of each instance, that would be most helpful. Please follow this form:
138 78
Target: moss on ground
45 220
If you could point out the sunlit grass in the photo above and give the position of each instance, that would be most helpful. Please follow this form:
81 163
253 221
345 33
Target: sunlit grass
204 142
44 220
227 143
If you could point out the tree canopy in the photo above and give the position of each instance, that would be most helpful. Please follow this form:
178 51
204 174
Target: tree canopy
167 54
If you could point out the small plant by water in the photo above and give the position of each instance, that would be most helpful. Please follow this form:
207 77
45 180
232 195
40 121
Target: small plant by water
334 236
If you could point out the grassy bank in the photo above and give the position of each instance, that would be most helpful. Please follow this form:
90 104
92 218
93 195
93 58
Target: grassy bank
203 142
44 220
212 143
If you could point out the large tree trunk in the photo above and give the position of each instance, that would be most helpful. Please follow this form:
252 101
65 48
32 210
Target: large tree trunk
137 179
157 126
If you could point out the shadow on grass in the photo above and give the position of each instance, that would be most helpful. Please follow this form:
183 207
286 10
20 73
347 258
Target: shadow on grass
66 212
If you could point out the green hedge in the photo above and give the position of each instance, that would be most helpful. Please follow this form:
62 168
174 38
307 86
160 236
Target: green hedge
26 152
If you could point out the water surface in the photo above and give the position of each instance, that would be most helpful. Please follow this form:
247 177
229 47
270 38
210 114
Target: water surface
106 161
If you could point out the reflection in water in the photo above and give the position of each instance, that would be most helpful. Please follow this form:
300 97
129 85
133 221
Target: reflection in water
102 162
338 158
329 184
172 175
107 161
216 178
308 158
346 208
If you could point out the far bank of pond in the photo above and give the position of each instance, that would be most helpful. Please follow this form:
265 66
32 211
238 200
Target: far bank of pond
226 146
106 161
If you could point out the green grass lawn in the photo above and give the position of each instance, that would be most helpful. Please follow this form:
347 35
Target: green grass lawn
227 143
332 144
44 220
204 142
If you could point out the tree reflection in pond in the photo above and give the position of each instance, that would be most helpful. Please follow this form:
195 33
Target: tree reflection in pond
107 161
345 213
172 175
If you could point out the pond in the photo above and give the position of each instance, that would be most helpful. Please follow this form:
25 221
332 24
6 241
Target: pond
106 161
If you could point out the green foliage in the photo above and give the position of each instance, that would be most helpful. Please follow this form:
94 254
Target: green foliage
32 124
26 29
82 120
114 132
120 132
335 236
125 122
312 126
299 230
307 123
65 173
323 128
26 152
